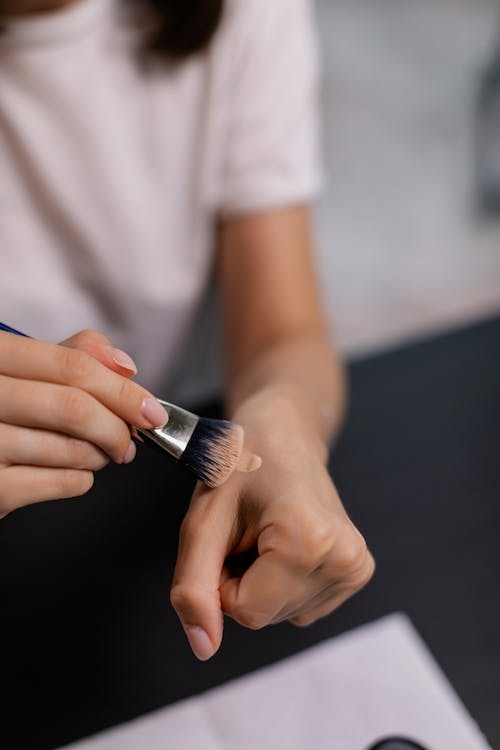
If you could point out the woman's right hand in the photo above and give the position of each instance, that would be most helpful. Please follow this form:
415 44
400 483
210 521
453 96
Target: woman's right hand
65 411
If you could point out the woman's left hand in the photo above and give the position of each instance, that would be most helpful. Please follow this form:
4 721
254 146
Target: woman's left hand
269 546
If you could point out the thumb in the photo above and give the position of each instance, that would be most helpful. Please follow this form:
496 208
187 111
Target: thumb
203 546
99 347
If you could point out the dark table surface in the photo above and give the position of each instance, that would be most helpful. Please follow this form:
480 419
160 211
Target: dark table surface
87 635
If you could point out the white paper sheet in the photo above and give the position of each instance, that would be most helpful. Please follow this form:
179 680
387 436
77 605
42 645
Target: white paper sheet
340 695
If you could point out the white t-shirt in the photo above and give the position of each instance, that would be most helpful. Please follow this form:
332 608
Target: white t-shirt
112 178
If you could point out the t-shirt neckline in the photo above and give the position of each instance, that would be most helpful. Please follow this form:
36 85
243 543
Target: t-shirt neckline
58 26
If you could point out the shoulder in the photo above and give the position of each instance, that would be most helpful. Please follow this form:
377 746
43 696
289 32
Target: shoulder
259 21
268 35
260 11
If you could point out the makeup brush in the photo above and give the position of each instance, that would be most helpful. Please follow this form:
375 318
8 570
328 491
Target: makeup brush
209 448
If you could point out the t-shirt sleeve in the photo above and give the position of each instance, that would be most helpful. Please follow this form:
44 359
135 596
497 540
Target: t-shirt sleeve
270 155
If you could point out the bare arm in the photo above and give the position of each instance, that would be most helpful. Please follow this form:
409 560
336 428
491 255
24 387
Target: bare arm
302 556
276 338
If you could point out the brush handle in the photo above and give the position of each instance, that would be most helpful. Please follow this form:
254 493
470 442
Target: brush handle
176 434
172 438
8 329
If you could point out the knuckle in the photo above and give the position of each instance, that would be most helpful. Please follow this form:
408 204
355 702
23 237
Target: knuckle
316 539
351 556
80 453
124 389
75 365
83 455
368 571
186 598
72 406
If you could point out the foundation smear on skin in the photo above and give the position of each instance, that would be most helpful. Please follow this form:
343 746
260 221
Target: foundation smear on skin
248 462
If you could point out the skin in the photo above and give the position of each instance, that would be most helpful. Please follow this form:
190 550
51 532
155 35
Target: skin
64 415
265 547
304 557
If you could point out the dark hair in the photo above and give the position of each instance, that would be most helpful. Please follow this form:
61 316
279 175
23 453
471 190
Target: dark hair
182 27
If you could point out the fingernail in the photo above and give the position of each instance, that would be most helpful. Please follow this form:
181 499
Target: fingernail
122 359
199 642
129 454
154 413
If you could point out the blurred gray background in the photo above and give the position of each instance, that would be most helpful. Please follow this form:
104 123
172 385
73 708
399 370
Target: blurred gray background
403 251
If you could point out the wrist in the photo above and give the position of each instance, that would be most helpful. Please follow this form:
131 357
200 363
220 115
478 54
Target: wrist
280 414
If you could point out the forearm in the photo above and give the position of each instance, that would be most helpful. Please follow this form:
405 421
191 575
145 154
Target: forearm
277 347
304 369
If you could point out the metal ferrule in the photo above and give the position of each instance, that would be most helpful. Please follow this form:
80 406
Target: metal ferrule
176 434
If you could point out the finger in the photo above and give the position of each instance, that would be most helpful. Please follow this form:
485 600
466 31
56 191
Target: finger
38 361
290 611
203 546
23 485
62 409
330 600
344 566
309 593
308 616
264 589
98 346
31 447
289 551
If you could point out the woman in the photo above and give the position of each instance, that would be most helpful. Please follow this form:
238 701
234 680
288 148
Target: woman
142 143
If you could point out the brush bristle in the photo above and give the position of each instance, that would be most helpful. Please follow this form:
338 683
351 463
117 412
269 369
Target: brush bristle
213 450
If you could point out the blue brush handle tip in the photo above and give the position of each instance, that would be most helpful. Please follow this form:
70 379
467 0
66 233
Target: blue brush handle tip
4 327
